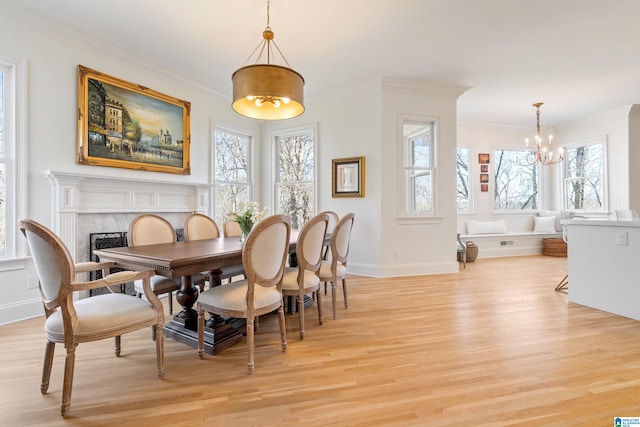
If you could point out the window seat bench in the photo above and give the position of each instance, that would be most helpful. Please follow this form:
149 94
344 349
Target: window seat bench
517 243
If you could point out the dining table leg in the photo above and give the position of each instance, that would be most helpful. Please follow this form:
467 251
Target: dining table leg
187 296
219 333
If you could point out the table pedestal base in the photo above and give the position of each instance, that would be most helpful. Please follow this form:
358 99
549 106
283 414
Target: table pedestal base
216 339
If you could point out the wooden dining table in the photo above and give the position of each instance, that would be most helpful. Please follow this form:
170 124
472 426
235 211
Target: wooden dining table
182 259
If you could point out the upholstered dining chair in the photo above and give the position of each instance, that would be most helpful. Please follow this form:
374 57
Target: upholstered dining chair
333 221
149 229
232 229
264 257
335 268
199 227
89 319
304 279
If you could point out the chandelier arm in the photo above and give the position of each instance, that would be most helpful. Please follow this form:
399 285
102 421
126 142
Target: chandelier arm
260 45
281 54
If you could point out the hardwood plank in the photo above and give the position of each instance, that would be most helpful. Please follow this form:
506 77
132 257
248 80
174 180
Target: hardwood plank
492 345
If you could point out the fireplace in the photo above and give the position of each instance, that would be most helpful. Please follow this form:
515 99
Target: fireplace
82 205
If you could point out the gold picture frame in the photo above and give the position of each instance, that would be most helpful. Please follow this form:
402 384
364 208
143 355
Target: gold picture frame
347 178
125 125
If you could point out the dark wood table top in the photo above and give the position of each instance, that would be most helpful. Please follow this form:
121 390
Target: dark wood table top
181 258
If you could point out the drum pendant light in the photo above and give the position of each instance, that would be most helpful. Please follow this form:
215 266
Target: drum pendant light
267 91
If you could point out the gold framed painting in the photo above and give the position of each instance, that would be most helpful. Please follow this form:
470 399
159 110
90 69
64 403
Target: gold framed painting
347 178
125 125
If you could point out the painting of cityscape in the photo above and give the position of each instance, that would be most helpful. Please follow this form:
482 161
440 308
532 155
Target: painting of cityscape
125 125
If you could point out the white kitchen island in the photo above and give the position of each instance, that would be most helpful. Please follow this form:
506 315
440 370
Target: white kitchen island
604 265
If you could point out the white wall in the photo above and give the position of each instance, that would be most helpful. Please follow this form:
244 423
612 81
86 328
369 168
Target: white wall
52 55
414 247
614 126
348 126
620 127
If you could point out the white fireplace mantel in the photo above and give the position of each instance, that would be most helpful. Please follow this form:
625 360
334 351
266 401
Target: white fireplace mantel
73 194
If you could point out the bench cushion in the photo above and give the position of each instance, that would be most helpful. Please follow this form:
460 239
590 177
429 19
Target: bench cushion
486 227
544 224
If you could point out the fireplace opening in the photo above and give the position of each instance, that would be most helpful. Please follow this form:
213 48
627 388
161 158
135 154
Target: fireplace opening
115 239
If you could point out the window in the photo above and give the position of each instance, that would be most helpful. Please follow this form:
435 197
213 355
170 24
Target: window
232 156
463 193
584 176
11 174
419 140
295 175
516 184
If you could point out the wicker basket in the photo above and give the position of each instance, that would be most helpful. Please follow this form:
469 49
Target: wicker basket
472 252
554 247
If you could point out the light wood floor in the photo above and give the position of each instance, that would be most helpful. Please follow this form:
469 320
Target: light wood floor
492 346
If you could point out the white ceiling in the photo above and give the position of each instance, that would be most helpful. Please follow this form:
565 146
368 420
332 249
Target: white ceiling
579 57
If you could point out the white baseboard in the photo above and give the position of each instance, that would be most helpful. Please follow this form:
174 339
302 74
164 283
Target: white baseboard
22 310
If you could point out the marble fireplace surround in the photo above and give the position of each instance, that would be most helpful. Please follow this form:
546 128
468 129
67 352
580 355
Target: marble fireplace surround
82 204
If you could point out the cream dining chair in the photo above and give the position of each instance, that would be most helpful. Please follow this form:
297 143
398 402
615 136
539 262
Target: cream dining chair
335 267
333 221
232 229
264 257
95 318
304 279
149 229
200 227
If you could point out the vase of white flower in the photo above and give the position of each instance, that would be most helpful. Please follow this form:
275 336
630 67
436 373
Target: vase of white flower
247 216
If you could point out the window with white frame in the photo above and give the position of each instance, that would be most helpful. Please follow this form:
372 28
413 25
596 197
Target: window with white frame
11 175
296 175
584 172
516 184
419 147
463 189
232 176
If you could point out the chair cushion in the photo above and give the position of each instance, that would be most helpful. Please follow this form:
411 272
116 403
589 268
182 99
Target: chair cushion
101 315
159 285
290 280
233 296
325 270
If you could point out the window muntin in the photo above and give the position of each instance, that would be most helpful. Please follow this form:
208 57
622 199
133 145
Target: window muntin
232 172
463 184
295 175
419 140
516 185
584 166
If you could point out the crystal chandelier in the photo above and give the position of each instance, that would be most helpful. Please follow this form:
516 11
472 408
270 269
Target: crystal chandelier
542 152
267 91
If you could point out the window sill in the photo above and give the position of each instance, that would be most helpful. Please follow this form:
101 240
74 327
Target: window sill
410 220
13 264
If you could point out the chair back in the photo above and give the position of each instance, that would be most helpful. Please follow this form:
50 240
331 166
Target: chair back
311 242
265 252
333 220
200 227
231 229
340 239
54 266
149 229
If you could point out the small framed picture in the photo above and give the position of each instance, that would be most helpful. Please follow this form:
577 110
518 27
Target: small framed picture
484 187
347 178
484 177
483 158
484 168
